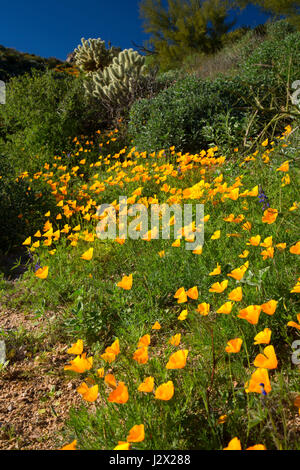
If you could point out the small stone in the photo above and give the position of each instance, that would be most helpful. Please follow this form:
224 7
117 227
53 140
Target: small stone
2 352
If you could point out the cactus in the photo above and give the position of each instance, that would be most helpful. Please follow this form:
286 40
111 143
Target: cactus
115 82
93 56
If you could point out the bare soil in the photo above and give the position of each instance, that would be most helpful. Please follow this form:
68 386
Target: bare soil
35 393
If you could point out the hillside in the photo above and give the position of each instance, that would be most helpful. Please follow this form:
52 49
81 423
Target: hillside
14 63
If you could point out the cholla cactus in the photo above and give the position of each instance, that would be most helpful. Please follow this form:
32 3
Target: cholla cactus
93 55
115 82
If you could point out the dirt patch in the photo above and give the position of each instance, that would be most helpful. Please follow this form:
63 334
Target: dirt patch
35 393
12 319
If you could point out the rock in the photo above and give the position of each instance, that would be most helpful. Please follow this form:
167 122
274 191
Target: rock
2 352
70 58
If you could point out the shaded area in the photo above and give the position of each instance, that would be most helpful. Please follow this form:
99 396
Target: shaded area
15 263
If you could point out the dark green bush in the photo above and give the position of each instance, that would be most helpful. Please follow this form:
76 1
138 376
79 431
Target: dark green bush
179 115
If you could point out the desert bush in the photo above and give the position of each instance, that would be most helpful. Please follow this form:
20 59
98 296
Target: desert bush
279 29
41 114
178 115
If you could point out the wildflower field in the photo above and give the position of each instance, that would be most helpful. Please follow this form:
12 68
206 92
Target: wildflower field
138 342
170 348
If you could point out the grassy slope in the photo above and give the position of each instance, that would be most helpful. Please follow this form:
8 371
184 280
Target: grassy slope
212 382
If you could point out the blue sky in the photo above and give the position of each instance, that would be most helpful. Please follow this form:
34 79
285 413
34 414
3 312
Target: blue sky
54 28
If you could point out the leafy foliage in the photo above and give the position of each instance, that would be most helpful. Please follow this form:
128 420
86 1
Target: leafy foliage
184 27
42 113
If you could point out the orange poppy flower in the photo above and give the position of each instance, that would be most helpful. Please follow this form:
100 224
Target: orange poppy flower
296 288
268 360
239 273
198 250
111 352
87 255
126 282
222 419
234 345
269 307
114 348
108 357
175 340
42 273
268 253
76 348
136 434
141 355
257 447
147 386
177 360
236 294
254 241
216 271
122 446
27 241
203 308
297 402
234 444
80 364
259 382
219 287
284 166
294 324
183 315
250 313
71 446
281 246
295 249
110 380
88 394
268 242
144 341
270 215
193 293
119 395
225 308
165 391
263 337
121 241
181 295
216 235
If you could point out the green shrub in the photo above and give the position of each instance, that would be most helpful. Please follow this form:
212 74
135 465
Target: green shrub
177 116
268 73
279 29
41 114
272 59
